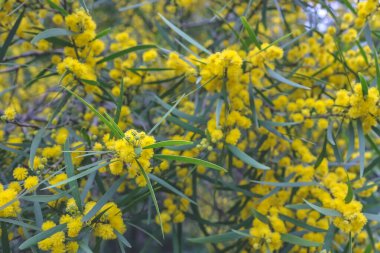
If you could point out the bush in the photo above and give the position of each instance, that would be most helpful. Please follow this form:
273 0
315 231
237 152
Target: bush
189 126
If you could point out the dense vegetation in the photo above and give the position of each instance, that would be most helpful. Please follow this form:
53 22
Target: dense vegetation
189 126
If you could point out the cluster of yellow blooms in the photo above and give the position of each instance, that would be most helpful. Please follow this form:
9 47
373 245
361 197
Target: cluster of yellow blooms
130 151
251 148
359 106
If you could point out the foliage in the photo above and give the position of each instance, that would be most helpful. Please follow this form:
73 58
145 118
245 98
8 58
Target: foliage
189 125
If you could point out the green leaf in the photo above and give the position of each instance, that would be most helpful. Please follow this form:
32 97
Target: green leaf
186 126
122 239
373 217
301 224
349 6
282 79
53 32
77 176
104 199
170 187
10 36
41 236
106 119
168 143
220 238
184 35
263 218
350 192
57 8
70 173
364 84
166 114
322 210
361 146
322 154
191 160
45 198
286 184
19 224
247 159
251 33
83 5
377 69
296 240
151 190
362 52
34 146
219 105
329 237
134 6
103 33
4 239
119 104
330 136
125 52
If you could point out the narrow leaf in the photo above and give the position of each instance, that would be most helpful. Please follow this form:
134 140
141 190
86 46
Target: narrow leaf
247 159
191 160
53 32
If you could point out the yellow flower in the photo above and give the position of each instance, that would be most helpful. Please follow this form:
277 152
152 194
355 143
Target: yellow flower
30 182
20 173
10 113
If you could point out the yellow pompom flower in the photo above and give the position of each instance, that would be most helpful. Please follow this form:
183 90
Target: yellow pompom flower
10 113
30 182
20 173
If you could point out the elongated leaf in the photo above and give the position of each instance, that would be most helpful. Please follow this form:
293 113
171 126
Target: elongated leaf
322 154
377 69
57 8
246 158
166 114
49 33
361 146
184 35
330 136
34 146
151 190
103 33
296 240
322 210
263 218
219 105
301 224
104 199
41 236
282 79
19 223
83 5
122 239
70 173
286 184
250 32
10 36
77 176
168 143
373 217
364 84
106 120
229 236
170 187
191 160
350 192
4 238
329 237
45 198
125 52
